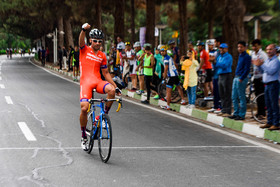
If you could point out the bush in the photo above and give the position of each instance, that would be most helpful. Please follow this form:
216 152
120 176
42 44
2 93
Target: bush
2 51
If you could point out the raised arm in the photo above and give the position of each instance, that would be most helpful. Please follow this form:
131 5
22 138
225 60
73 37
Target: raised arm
85 27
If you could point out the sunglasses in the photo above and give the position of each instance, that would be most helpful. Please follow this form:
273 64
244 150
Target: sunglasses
99 41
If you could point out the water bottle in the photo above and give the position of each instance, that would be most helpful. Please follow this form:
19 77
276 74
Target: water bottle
95 120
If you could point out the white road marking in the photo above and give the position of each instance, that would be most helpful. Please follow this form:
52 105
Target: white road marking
130 148
2 86
26 131
0 78
9 100
186 119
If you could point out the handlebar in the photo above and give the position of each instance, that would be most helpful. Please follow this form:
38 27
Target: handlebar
119 100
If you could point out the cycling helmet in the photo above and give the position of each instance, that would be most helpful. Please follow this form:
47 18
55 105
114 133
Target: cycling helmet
137 44
200 43
171 42
159 46
119 47
163 48
97 34
147 45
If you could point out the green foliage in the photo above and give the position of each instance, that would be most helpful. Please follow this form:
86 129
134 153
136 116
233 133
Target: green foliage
33 19
2 51
13 41
266 42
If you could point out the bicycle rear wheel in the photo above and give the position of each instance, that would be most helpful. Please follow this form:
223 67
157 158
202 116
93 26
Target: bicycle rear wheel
89 132
254 108
175 97
105 138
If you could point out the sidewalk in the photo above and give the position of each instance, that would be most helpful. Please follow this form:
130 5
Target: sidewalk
248 126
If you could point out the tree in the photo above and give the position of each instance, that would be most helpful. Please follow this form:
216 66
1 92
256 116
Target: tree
119 19
150 22
98 14
233 30
183 26
132 27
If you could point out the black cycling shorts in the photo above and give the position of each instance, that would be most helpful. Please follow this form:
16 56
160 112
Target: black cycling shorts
209 75
171 81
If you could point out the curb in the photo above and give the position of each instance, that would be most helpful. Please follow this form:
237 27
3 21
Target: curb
247 128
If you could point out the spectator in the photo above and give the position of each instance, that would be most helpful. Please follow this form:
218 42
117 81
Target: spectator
39 53
124 64
69 58
148 61
75 62
171 74
60 56
240 82
120 43
223 65
64 57
206 66
175 54
47 54
258 54
43 56
112 61
270 69
139 52
159 68
131 58
189 65
190 46
213 55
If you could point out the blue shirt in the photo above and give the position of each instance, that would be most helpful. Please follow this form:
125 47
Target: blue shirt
243 65
215 53
224 63
270 69
172 71
43 51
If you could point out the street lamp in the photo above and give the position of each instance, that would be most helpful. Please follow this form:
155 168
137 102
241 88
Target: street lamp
264 17
160 27
54 35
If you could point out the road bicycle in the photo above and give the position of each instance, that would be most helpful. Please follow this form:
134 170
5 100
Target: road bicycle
175 97
252 100
100 128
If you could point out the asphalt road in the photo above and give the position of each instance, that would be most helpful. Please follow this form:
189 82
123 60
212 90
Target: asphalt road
150 147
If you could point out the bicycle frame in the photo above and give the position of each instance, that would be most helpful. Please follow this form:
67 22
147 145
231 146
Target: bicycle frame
92 109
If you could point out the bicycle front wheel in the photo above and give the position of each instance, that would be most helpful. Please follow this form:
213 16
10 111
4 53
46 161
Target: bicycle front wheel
89 132
105 138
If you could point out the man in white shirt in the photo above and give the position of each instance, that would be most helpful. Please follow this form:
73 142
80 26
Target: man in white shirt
258 53
131 58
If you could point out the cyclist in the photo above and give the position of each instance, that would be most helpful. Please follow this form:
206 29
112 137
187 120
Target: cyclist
205 66
171 76
91 60
175 53
8 52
